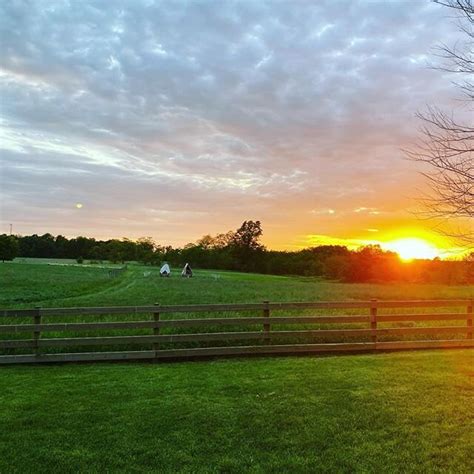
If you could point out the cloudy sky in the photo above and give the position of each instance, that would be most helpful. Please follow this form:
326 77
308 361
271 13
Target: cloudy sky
175 119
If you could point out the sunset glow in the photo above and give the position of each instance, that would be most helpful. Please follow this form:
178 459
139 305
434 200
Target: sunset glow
296 117
307 165
412 248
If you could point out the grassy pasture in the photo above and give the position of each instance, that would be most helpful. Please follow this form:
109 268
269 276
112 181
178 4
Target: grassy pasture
54 285
31 283
399 412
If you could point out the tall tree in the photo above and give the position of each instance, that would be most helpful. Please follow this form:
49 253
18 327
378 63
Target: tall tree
447 146
245 246
248 235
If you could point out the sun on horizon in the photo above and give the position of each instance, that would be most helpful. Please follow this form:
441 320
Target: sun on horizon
412 248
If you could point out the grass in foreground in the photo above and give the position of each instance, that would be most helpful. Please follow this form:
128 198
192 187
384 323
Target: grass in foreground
404 412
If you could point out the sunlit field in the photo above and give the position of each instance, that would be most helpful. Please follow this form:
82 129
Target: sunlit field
306 170
405 412
54 285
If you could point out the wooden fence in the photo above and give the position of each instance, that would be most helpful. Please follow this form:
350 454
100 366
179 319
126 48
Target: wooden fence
376 323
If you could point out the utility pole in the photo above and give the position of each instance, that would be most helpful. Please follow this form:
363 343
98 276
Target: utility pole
11 226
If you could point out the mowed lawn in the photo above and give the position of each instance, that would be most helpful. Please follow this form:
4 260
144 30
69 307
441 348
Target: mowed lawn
398 412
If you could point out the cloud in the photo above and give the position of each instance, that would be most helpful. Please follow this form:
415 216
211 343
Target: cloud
213 112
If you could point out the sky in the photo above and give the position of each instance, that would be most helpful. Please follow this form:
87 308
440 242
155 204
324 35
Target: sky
177 119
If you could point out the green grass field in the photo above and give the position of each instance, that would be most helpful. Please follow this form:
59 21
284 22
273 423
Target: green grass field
398 412
404 412
50 284
31 284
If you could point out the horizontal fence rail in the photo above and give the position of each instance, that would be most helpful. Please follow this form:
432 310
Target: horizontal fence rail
270 331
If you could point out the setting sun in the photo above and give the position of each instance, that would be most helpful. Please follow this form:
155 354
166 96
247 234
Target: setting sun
411 248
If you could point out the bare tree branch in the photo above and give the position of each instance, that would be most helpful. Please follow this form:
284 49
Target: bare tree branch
447 145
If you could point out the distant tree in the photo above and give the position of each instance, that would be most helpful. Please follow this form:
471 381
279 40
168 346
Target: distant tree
223 240
447 147
8 247
114 251
128 249
372 264
80 247
43 246
247 236
61 246
145 250
206 242
242 250
220 241
97 252
245 246
469 267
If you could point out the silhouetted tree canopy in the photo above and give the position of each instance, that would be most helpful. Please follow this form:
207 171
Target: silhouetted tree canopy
242 250
245 248
8 247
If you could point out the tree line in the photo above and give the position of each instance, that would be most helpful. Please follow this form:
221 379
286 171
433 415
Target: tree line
241 250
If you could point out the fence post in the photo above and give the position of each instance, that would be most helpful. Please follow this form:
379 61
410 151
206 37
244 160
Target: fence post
266 326
37 330
469 319
373 319
156 329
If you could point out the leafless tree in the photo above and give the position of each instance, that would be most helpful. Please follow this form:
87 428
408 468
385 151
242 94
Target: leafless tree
447 145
